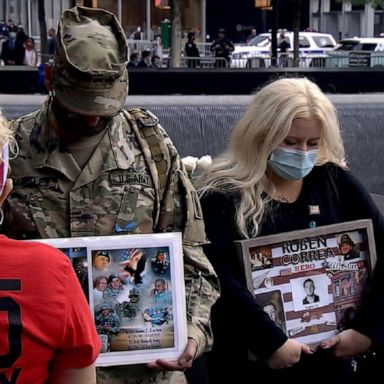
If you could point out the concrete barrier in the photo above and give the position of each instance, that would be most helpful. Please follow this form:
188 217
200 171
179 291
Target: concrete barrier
215 81
201 125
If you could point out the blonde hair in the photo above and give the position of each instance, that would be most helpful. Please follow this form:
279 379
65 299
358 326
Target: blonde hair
6 134
264 126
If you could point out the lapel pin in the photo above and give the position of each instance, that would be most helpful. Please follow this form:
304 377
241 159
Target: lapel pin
314 209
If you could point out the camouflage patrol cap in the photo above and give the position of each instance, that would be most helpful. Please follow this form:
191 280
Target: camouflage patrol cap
106 305
134 292
90 64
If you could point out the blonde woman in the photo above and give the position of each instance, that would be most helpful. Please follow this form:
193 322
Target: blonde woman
284 170
50 332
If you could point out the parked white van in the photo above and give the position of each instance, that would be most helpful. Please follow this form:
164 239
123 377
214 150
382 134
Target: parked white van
257 53
357 52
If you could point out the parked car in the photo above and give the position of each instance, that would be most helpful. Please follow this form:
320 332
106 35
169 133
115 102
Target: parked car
257 53
357 52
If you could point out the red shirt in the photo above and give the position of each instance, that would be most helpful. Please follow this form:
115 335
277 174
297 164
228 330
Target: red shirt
44 316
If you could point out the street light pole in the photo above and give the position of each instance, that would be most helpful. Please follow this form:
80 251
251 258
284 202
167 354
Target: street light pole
148 20
203 20
6 18
275 10
29 18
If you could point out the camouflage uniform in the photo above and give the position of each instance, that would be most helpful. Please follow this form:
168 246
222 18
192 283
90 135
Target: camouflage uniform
118 191
107 324
52 197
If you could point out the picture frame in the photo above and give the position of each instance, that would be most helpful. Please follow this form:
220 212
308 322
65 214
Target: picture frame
135 288
310 281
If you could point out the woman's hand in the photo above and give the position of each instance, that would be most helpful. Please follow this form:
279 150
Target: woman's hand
288 354
347 343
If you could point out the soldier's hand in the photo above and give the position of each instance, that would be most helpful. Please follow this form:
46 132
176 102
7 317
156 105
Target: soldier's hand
181 364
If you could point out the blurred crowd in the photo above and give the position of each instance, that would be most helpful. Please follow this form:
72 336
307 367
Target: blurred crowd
18 48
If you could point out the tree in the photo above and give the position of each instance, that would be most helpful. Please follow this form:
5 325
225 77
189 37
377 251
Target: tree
176 33
275 12
43 31
296 4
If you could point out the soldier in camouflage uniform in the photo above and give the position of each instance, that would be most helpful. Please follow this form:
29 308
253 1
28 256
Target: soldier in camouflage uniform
87 167
107 322
114 288
130 309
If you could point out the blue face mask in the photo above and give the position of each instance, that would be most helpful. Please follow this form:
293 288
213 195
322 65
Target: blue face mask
292 164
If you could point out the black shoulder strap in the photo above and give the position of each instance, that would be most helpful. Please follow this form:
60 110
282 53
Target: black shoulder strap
148 124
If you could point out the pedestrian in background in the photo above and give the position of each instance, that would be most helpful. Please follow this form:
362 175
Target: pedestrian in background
222 48
252 35
283 45
12 52
133 59
30 54
145 61
191 50
51 41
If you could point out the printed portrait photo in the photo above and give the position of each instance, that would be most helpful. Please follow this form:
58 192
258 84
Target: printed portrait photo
272 304
348 248
310 292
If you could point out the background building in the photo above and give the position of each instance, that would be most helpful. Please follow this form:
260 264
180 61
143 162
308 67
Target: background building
24 12
132 13
341 19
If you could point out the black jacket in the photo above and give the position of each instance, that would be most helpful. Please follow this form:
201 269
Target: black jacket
15 54
239 323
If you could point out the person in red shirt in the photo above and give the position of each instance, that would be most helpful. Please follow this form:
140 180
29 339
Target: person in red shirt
47 333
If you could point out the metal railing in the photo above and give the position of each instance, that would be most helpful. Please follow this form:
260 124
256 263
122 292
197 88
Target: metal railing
332 59
353 59
204 49
197 62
